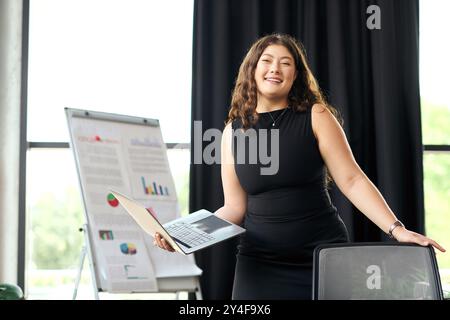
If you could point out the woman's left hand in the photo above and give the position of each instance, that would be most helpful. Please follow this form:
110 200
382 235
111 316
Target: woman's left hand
405 235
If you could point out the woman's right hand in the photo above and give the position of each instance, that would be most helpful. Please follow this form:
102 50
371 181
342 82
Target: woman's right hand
162 243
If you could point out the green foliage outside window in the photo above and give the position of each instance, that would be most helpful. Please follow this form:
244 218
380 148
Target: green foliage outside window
436 130
435 123
56 240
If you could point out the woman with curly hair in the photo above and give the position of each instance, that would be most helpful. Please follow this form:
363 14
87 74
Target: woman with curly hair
288 213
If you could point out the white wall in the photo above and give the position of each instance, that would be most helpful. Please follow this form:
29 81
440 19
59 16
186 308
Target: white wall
10 83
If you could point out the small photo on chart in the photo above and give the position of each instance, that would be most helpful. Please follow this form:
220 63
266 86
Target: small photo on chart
106 234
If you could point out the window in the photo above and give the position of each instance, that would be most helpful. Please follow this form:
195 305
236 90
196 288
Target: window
128 57
435 102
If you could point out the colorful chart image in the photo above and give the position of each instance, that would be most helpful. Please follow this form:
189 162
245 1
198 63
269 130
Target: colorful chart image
106 234
131 272
154 188
128 248
112 201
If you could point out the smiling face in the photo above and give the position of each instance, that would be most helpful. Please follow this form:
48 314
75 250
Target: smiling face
274 75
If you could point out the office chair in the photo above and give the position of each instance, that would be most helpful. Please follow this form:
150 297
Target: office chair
375 271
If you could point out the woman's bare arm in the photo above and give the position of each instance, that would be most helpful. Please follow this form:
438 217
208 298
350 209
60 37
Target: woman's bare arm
235 203
235 198
352 181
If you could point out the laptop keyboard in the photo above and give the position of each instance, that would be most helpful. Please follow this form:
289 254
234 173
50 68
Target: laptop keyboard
187 234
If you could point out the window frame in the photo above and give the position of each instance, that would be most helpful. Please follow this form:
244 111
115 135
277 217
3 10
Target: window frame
26 146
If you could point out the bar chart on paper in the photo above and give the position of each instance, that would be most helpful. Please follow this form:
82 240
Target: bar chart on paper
154 188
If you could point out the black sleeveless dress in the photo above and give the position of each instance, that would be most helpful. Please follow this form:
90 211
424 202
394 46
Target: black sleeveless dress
288 213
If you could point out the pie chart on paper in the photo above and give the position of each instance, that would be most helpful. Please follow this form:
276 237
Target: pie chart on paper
128 248
112 201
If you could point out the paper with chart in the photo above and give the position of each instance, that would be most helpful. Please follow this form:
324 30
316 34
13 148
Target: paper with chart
132 159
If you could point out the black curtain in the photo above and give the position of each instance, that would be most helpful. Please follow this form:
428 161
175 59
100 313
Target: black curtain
370 76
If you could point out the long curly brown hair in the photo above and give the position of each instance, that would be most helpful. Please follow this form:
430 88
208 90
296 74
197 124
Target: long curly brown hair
305 91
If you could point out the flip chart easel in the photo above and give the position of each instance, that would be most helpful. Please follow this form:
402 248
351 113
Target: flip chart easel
125 153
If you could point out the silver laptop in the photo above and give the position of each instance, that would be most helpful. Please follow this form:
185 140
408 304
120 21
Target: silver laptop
198 230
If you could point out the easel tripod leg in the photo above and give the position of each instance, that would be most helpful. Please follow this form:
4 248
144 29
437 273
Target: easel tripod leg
80 269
